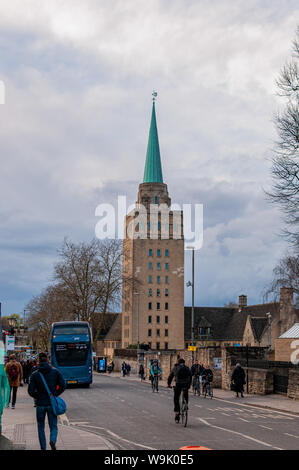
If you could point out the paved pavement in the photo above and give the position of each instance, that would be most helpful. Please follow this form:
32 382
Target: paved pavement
123 413
19 428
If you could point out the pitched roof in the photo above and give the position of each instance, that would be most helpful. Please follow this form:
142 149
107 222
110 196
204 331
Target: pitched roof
114 334
258 326
228 324
292 332
153 168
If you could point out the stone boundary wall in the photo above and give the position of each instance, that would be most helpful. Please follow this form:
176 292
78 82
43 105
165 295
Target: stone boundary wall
293 386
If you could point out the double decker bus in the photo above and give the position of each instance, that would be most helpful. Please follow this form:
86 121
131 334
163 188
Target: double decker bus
71 351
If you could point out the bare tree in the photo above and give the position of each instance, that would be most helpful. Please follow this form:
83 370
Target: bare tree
285 274
91 276
285 161
48 307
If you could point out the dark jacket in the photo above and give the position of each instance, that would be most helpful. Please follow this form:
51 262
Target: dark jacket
182 375
196 369
238 377
207 374
55 382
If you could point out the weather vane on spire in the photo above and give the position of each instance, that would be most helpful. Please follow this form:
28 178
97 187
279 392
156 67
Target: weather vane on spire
154 95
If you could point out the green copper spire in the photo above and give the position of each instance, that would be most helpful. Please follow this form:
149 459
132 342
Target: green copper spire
153 168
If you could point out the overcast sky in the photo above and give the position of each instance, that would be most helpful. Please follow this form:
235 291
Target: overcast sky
74 128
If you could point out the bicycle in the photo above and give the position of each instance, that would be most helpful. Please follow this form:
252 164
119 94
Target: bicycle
155 383
183 408
207 389
196 385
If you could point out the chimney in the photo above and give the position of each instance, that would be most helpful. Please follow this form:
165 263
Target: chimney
242 301
287 314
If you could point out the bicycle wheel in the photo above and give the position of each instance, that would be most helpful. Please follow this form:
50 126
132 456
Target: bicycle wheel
183 409
211 391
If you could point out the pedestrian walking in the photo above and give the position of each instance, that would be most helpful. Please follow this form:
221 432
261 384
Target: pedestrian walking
128 368
37 390
238 380
124 368
14 374
141 372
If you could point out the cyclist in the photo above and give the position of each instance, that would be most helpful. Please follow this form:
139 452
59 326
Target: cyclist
155 370
207 377
183 379
196 371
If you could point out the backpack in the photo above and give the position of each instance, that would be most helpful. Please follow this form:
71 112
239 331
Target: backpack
182 372
13 372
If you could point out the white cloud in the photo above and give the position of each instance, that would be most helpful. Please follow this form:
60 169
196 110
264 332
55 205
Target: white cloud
74 128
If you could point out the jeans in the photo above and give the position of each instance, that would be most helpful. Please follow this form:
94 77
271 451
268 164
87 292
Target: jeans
177 393
41 412
13 392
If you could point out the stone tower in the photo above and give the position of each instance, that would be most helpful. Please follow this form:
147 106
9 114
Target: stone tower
153 261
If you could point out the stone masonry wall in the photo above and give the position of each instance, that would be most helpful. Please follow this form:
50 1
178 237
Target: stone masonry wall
293 387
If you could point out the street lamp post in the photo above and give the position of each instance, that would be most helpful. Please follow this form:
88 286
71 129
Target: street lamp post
192 310
269 316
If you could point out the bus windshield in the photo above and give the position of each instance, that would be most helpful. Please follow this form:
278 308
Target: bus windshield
69 354
70 330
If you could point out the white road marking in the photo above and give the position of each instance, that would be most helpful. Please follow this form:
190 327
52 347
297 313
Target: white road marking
246 421
265 427
119 437
239 434
257 408
292 435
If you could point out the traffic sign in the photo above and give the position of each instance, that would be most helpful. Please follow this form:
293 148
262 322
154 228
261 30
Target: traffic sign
191 348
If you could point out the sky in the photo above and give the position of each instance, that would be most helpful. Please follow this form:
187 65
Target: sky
78 80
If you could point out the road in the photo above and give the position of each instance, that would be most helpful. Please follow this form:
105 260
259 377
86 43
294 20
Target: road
131 416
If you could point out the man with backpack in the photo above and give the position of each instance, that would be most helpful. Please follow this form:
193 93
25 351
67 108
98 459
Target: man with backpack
14 374
38 391
183 378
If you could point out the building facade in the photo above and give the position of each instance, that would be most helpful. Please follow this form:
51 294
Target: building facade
153 261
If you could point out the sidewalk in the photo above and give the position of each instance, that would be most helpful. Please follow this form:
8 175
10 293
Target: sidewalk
20 428
272 402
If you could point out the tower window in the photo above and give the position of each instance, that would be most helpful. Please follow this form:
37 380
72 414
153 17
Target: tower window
150 279
166 345
158 279
166 332
157 345
158 333
150 252
166 266
150 292
166 318
149 305
166 279
150 265
156 200
159 252
158 266
158 318
166 252
149 332
166 305
158 293
149 319
158 305
166 292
